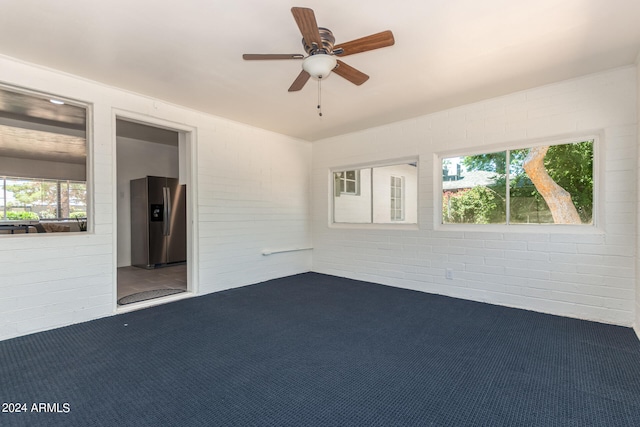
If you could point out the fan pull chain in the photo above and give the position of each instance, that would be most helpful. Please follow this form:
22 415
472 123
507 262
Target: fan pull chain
320 97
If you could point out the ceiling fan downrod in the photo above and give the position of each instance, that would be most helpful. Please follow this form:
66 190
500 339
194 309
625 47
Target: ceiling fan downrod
320 97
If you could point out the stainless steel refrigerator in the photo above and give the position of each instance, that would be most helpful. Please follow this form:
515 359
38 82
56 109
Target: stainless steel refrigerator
158 222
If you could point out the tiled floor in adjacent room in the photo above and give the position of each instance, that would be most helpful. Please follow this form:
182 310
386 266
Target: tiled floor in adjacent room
132 280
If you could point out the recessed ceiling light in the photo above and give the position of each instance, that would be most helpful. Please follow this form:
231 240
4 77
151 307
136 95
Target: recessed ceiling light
56 101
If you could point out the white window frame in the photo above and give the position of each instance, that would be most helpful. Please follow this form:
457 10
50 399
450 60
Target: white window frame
372 225
598 183
88 107
344 180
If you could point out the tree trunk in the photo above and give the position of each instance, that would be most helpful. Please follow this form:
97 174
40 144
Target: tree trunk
558 199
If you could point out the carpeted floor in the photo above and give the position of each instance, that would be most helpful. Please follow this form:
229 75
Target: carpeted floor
316 350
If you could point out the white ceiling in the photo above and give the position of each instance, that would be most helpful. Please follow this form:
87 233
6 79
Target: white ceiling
447 52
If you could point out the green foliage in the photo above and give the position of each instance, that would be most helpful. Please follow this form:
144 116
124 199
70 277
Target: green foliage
28 192
50 199
15 216
491 162
47 214
478 205
569 165
81 219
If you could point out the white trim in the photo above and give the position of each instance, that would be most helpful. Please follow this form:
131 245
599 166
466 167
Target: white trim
189 133
375 226
377 164
567 138
596 226
152 302
88 138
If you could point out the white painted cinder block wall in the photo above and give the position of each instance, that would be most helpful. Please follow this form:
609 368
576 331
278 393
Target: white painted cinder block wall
588 275
252 191
637 318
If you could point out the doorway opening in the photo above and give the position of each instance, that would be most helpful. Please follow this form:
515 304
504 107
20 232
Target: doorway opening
153 236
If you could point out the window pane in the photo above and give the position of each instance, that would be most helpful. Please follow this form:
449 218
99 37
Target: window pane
382 195
395 200
527 206
77 199
20 197
560 175
350 205
42 173
550 184
342 185
474 189
347 182
351 187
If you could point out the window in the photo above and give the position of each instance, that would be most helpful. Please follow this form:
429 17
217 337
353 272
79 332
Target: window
36 199
43 163
348 182
383 195
397 200
550 184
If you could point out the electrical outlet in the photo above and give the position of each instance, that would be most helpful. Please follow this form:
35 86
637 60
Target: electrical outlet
448 273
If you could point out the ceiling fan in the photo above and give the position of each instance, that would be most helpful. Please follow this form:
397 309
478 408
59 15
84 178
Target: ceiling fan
318 43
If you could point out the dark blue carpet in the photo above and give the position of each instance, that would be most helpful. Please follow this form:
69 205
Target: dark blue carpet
317 350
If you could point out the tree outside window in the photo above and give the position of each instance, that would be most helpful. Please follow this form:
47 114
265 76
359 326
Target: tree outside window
42 199
550 184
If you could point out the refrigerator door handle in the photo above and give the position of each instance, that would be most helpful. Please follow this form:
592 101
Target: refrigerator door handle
166 195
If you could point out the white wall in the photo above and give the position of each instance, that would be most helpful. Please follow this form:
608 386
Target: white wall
637 318
382 189
355 208
137 159
252 192
569 272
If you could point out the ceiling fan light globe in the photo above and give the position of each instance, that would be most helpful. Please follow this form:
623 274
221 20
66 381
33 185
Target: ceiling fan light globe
319 66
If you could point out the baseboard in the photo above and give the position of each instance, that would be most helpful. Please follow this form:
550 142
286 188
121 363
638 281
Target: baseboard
636 328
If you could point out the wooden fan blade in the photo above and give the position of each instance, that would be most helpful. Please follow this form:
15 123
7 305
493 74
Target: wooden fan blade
306 20
348 72
300 81
260 56
364 44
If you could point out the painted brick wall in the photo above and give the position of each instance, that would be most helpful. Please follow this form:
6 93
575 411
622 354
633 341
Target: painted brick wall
253 189
637 318
569 272
254 194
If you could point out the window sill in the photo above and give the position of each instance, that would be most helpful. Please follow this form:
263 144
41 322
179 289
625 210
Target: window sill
356 226
522 228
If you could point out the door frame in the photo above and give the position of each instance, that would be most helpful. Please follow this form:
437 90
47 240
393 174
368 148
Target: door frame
187 153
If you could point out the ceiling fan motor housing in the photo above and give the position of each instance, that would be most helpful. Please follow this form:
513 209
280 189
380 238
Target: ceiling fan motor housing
327 43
